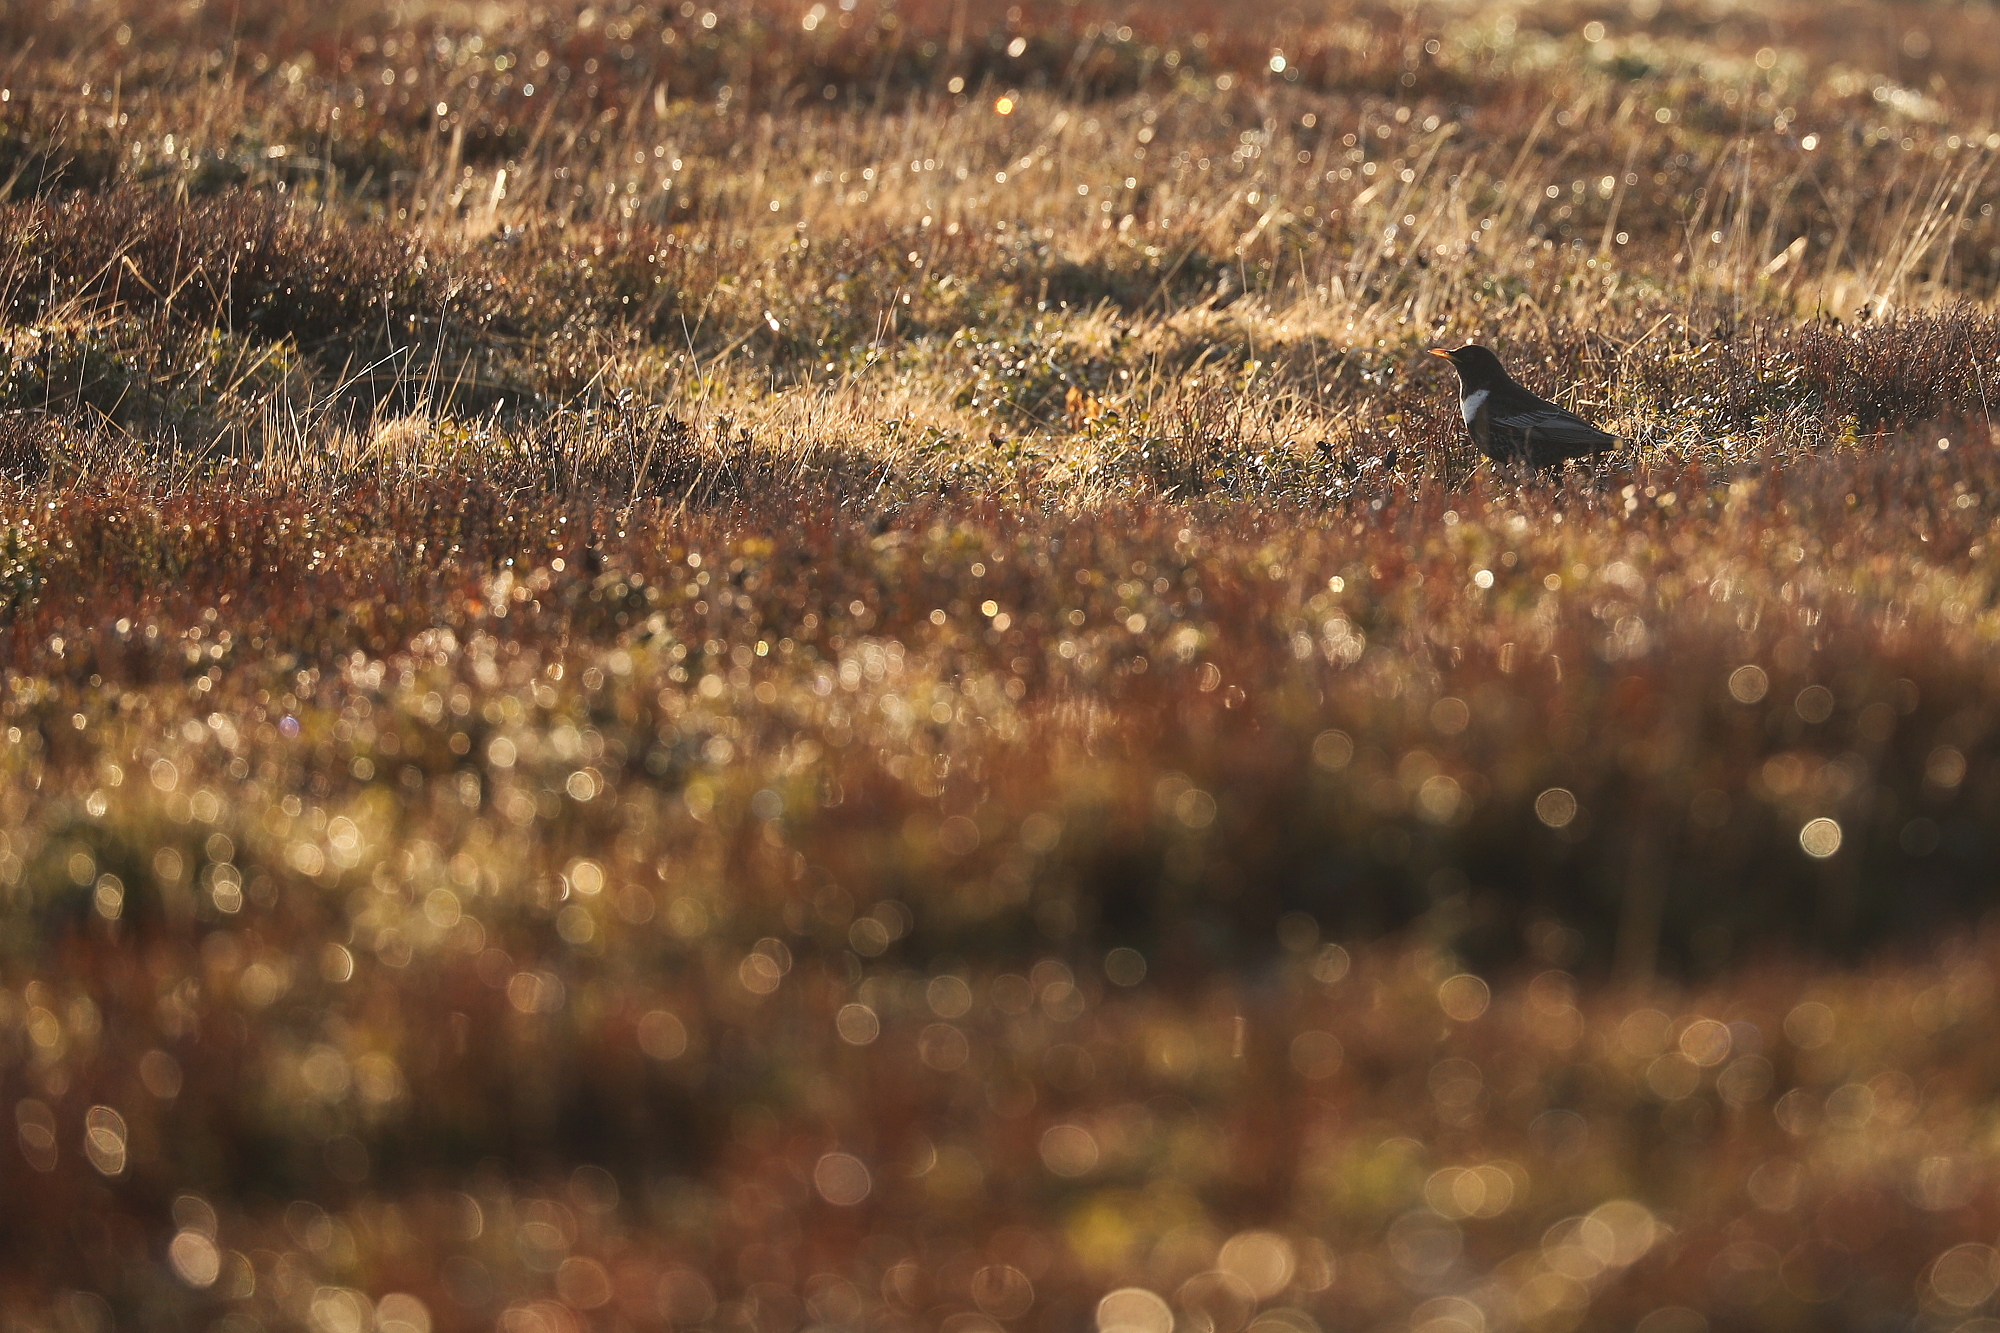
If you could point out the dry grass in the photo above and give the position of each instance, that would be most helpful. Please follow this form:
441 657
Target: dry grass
748 693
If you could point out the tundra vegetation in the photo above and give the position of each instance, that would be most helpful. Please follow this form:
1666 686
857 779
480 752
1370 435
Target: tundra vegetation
756 666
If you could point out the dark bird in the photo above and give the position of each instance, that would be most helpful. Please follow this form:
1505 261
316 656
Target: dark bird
1511 425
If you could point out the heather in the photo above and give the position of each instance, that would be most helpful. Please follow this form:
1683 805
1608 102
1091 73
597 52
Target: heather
841 667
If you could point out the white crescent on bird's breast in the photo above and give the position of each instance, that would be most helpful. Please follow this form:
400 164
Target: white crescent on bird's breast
1473 402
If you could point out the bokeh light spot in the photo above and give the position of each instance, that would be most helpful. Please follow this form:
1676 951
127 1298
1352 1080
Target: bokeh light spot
1748 684
1673 1319
1965 1275
1263 1260
1214 1302
842 1179
948 996
1003 1291
1706 1042
104 1140
1809 1025
1125 967
399 1312
1450 716
1333 750
857 1024
684 1297
1556 807
195 1259
662 1035
1820 838
1134 1310
1069 1150
1448 1314
1464 997
943 1047
1317 1055
1331 964
340 1310
582 1283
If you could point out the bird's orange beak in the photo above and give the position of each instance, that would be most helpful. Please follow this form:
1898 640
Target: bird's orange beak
1439 351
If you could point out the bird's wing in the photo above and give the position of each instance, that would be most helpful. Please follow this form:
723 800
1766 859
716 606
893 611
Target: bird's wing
1546 423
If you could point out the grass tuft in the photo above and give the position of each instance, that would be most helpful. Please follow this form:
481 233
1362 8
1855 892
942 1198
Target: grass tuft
765 667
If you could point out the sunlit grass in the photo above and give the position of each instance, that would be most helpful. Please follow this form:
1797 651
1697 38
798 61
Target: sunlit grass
846 671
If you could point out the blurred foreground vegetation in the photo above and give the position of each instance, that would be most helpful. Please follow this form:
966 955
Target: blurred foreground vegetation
839 667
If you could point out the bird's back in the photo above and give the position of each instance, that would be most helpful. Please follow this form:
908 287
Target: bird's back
1512 425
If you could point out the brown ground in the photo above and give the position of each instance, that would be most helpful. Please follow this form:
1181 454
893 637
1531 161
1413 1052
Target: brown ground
667 703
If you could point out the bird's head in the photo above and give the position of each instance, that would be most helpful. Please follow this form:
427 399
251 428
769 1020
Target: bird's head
1477 367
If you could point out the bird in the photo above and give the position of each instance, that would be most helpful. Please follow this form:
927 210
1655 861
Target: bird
1511 425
